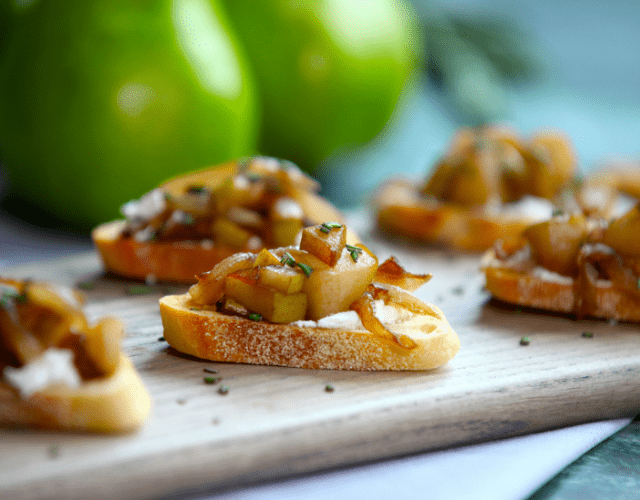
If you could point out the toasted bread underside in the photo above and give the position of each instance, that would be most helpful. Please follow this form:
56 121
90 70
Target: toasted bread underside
442 223
528 289
181 261
170 261
115 404
210 335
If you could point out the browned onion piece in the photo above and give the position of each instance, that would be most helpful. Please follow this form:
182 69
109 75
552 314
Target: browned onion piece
210 286
392 273
365 308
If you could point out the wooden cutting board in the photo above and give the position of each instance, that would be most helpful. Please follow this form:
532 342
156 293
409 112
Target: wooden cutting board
275 421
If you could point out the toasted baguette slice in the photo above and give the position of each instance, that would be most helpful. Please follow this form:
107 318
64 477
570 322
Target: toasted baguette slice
542 289
115 404
180 260
211 335
169 261
401 211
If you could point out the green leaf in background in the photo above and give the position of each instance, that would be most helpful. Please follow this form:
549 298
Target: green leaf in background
474 59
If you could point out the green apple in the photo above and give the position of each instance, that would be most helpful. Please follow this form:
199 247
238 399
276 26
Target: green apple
330 72
100 100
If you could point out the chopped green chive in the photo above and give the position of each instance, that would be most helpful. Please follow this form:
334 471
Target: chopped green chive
86 285
194 309
188 220
287 259
587 335
209 370
9 296
211 380
354 252
328 226
196 189
54 451
161 339
638 284
557 212
458 290
255 316
329 388
139 290
224 389
253 177
525 340
307 270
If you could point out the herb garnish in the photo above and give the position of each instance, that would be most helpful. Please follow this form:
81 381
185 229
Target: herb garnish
224 389
139 290
328 226
354 252
557 212
329 388
587 335
211 380
188 220
287 259
161 339
10 295
255 316
196 189
253 177
209 370
307 270
86 285
525 340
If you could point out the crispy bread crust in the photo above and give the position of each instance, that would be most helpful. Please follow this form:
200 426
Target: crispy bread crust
528 289
181 261
214 336
116 404
170 261
442 223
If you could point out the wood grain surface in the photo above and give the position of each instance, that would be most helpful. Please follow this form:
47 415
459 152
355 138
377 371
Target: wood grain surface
276 422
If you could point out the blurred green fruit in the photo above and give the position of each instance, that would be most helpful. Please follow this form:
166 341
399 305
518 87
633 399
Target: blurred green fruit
100 100
329 71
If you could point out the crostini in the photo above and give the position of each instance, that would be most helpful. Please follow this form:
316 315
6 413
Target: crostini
322 304
192 222
59 372
489 184
572 264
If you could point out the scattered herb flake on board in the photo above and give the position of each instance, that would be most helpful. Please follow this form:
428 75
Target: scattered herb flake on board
181 401
224 389
458 290
307 270
329 388
525 340
139 290
209 370
86 285
161 339
587 335
211 380
255 317
54 451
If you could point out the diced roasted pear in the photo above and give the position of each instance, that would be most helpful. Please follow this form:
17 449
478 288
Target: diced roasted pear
210 286
273 305
623 234
552 164
555 243
326 242
230 233
333 289
266 258
286 217
283 278
102 345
